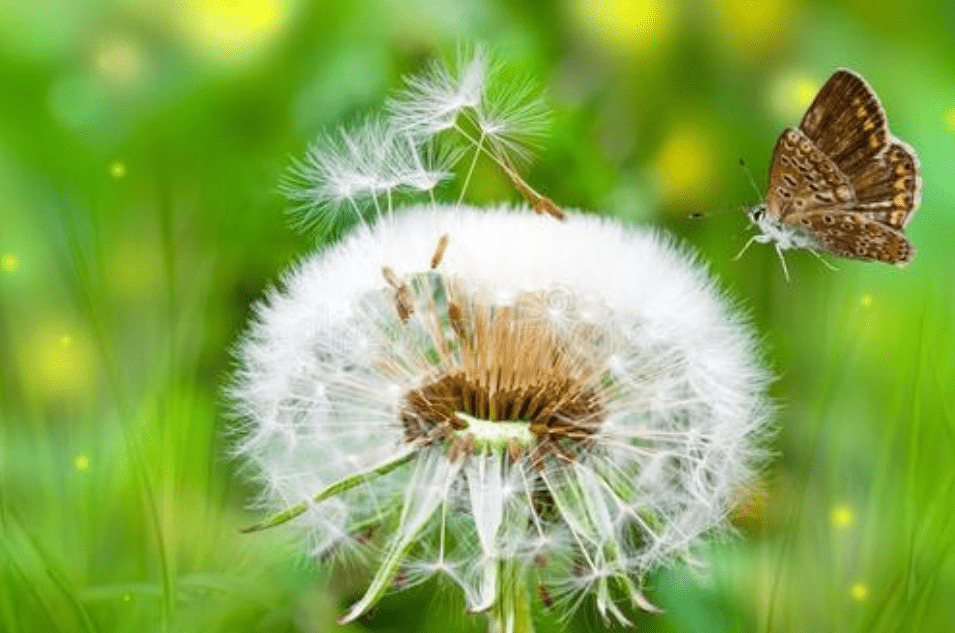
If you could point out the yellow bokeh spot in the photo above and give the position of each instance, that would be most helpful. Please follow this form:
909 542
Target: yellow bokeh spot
120 62
859 591
843 516
685 164
791 94
227 28
950 120
865 301
117 169
756 26
633 26
805 92
9 263
81 462
53 365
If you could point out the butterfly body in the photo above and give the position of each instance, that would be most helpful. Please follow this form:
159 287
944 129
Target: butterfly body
841 183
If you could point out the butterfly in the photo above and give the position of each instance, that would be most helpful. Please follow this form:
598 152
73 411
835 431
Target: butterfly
840 183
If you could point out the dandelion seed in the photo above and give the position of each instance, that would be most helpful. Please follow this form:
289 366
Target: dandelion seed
352 174
513 117
567 406
439 251
432 101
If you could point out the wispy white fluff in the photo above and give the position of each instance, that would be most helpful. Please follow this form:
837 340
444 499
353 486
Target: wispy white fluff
512 117
506 113
680 438
432 100
449 111
356 170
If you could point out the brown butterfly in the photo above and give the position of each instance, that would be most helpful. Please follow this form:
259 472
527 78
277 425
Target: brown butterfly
841 183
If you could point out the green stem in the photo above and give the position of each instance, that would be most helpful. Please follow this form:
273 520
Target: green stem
467 179
511 612
331 490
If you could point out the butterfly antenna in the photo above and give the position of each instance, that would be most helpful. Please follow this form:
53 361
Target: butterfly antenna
782 260
749 175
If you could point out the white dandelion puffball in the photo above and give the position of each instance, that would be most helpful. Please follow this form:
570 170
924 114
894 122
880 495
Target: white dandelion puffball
563 406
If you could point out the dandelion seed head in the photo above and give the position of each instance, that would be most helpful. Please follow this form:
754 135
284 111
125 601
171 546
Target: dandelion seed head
576 396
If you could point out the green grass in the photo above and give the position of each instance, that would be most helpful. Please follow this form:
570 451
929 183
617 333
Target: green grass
121 296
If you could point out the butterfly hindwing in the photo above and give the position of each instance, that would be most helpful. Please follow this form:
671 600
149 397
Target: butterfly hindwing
855 236
888 189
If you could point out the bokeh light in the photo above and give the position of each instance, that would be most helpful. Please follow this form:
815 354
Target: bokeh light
120 62
685 164
54 364
859 591
231 32
756 27
791 94
842 516
630 27
9 263
81 462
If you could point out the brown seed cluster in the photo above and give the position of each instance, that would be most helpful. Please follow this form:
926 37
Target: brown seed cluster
504 364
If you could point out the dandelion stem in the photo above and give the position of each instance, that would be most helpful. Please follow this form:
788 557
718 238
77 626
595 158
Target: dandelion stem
478 143
361 218
538 202
511 612
331 490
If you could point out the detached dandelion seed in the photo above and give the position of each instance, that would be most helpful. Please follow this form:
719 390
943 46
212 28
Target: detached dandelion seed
541 412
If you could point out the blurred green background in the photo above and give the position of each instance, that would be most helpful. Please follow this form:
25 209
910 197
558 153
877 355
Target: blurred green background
141 145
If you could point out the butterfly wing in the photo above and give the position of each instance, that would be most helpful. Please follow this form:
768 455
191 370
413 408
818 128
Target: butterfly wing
889 188
855 236
802 178
847 123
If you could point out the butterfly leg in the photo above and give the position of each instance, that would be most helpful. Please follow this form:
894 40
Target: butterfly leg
746 246
823 260
782 260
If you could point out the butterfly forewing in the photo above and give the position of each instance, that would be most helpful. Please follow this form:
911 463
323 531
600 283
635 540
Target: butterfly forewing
846 121
802 178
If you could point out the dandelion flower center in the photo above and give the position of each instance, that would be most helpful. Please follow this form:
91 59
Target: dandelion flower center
506 378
